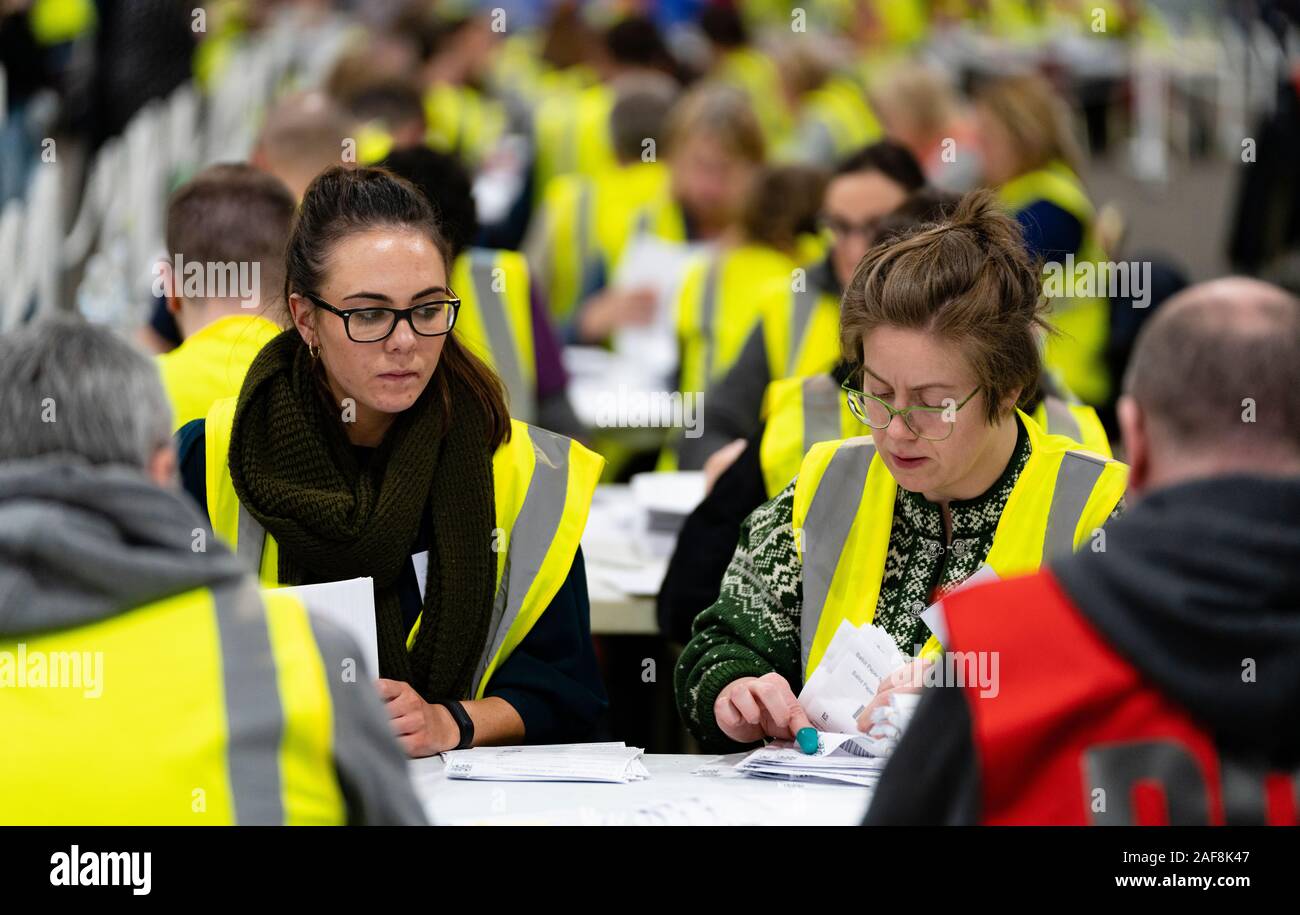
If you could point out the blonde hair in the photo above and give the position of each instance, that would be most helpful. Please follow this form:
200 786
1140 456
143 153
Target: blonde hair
1037 119
923 95
721 112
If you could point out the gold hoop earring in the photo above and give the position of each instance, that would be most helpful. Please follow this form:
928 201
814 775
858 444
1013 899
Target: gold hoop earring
314 351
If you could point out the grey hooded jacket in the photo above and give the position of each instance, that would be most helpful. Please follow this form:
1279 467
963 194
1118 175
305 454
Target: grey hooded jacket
80 544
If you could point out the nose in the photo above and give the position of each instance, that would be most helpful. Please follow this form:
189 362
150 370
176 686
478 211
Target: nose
852 249
402 338
899 430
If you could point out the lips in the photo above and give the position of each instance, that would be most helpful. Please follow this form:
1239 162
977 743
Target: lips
904 463
398 376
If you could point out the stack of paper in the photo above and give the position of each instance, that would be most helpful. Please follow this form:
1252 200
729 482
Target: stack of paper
841 758
845 681
571 762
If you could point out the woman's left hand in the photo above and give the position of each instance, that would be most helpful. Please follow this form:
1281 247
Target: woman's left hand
906 679
422 729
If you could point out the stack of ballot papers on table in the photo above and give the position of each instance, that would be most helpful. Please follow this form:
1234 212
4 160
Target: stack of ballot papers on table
565 762
841 758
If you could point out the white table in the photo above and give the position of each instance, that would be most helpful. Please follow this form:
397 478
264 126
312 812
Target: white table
625 564
742 801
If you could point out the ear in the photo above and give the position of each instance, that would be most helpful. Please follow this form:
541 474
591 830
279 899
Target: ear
1137 442
303 313
167 286
162 466
1010 401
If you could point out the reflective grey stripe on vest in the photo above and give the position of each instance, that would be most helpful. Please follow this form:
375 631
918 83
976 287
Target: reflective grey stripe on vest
1060 421
804 302
643 222
821 410
250 541
530 538
830 518
501 337
1075 479
708 314
254 717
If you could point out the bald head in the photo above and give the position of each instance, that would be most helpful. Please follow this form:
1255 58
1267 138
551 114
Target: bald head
303 135
1214 382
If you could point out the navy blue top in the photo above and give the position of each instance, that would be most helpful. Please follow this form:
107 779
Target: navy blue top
1050 231
551 678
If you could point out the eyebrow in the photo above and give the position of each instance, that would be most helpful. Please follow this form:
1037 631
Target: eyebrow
919 387
380 297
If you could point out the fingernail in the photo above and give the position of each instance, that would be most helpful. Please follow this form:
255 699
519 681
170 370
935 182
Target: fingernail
807 740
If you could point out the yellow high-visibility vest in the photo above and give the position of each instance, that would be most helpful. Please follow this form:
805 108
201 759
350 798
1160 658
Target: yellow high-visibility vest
756 74
903 22
800 412
839 109
211 713
210 364
463 122
844 507
56 21
1076 421
587 222
495 321
1077 354
801 331
717 307
571 134
543 485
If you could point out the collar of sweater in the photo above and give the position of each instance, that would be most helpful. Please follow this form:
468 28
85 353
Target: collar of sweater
971 518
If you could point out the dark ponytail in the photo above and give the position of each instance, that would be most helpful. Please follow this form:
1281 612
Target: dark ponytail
342 202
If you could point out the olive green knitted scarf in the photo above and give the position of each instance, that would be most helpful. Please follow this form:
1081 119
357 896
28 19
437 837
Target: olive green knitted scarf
333 518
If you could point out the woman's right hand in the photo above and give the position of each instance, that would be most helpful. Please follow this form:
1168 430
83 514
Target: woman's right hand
752 708
611 309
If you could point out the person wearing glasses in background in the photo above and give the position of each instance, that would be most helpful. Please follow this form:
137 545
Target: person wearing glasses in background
799 330
941 330
368 442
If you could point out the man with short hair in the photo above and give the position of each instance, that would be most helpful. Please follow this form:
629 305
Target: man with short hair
1154 678
144 679
303 134
223 282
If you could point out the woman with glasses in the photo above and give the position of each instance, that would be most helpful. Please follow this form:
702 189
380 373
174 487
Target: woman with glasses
941 328
368 442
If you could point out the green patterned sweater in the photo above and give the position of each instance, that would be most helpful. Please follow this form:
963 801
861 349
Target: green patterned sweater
753 628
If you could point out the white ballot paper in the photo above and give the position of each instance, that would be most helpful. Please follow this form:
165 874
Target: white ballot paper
652 263
845 681
349 605
565 762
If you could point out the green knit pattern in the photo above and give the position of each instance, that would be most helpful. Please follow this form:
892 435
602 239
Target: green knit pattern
753 628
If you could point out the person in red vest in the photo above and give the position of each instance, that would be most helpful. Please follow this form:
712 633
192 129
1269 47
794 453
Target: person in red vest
1154 678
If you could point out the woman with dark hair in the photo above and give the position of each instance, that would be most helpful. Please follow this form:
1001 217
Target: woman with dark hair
941 332
368 442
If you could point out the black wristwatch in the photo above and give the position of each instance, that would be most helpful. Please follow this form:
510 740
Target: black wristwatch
463 721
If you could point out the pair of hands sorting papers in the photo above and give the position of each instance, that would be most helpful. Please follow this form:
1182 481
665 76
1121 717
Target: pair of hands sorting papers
834 698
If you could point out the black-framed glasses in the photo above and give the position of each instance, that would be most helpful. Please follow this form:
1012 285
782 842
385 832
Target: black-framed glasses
933 424
374 323
839 228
